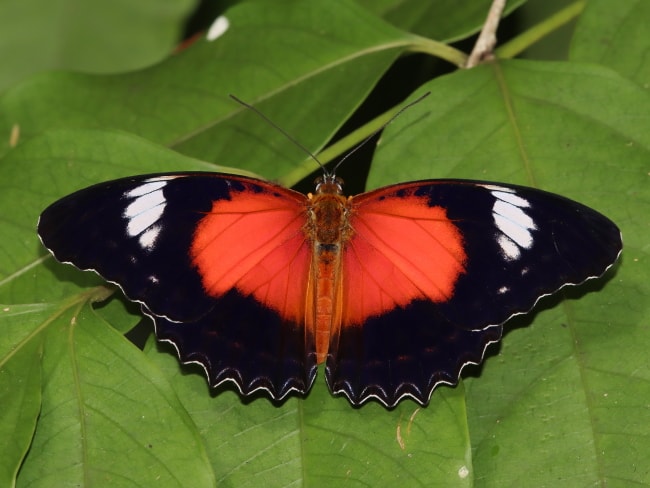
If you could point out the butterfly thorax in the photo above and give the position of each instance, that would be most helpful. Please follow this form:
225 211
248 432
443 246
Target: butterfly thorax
327 230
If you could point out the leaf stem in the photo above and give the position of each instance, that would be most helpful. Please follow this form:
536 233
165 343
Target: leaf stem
522 42
439 50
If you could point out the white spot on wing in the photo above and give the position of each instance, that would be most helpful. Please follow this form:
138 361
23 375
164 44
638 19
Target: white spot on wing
515 225
144 203
511 197
148 238
509 248
142 216
218 28
146 209
148 187
497 189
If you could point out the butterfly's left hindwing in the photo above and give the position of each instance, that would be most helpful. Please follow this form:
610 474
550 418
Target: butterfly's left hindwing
142 233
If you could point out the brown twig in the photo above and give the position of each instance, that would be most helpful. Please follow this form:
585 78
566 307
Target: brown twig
487 39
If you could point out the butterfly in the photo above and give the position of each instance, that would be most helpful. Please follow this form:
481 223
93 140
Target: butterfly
395 290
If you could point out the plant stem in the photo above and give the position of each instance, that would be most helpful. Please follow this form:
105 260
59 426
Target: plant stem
439 50
522 42
487 39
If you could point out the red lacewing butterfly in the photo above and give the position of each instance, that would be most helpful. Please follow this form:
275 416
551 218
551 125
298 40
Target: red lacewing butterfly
396 289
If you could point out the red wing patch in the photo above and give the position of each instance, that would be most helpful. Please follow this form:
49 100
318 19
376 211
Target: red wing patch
255 243
401 250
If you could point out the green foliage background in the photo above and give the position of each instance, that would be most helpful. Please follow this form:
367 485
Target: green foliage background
563 401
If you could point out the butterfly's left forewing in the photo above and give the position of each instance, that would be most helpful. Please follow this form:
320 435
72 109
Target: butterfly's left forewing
219 262
434 268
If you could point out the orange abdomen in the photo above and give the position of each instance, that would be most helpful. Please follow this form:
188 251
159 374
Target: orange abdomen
328 231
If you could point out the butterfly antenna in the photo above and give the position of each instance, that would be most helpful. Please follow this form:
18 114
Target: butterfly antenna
312 155
383 126
281 130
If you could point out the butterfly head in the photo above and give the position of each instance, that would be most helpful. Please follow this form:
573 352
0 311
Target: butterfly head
329 183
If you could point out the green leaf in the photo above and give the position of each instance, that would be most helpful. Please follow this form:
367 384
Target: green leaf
321 440
20 385
37 35
543 124
183 103
565 395
564 374
615 35
107 416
